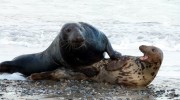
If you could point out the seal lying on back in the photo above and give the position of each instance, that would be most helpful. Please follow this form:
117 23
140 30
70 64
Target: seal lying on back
77 44
128 70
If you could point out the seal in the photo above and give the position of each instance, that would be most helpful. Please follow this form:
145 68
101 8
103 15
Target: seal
128 70
77 44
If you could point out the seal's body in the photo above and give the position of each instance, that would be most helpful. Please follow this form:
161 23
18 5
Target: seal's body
77 44
128 70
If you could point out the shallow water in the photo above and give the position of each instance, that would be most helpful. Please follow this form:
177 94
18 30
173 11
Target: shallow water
35 23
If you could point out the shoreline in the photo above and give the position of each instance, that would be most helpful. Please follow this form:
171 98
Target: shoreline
72 89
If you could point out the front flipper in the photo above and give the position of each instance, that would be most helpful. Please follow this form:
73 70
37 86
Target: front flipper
113 65
112 53
89 71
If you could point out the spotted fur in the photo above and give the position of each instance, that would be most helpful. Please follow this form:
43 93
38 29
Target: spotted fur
128 70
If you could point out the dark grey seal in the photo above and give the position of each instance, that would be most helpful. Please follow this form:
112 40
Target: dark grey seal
77 44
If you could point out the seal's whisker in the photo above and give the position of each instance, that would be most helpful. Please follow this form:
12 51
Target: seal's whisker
62 45
89 42
82 46
67 46
70 47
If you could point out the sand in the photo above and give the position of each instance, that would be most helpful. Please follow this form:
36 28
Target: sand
86 90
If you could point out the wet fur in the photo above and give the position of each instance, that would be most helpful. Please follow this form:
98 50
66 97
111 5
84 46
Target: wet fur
77 44
128 70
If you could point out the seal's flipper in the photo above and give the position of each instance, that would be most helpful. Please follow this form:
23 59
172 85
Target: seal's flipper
113 65
8 67
112 53
89 71
57 75
41 76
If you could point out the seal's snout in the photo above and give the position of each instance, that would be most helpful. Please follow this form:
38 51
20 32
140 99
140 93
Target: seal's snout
142 48
78 39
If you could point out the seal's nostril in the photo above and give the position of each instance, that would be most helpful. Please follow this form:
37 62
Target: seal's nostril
142 46
78 39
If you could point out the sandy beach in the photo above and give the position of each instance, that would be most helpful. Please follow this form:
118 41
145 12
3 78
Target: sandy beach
16 87
85 90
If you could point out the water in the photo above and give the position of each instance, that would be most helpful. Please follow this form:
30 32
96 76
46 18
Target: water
29 26
127 23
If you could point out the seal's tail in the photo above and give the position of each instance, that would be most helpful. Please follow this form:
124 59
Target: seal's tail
7 67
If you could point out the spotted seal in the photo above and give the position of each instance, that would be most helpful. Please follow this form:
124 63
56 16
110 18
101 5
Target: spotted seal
128 70
77 44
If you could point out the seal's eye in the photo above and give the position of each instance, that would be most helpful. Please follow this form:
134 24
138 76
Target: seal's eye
68 30
153 50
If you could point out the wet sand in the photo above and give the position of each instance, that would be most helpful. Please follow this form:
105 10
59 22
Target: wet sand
86 90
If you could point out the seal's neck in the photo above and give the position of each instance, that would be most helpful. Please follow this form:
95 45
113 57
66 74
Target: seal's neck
53 52
150 70
150 65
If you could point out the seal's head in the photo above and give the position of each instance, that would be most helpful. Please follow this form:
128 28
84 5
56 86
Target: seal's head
152 54
72 34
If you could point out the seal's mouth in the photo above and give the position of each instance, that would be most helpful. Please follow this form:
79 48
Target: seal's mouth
145 57
142 49
77 45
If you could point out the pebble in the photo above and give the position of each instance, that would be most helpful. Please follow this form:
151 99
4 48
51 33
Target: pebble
83 90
